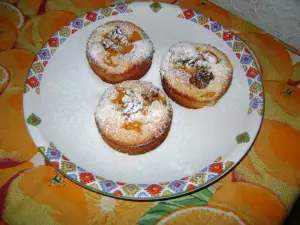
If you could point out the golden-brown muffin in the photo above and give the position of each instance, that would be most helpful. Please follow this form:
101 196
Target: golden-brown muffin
195 75
118 51
134 117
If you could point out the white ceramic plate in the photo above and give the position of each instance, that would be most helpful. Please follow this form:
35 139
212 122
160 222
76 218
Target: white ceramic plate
61 94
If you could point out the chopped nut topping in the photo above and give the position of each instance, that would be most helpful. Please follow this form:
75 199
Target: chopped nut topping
108 44
202 78
117 43
154 96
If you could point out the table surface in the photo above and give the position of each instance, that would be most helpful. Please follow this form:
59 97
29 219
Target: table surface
260 190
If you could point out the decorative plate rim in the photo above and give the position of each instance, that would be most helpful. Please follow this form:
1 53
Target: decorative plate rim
156 191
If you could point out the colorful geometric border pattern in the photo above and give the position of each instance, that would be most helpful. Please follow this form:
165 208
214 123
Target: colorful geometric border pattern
34 75
256 97
130 191
142 191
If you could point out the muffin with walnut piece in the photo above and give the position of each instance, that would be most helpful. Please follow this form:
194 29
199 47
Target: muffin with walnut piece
195 75
118 51
133 117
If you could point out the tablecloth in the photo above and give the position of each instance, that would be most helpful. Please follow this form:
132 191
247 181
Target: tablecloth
260 190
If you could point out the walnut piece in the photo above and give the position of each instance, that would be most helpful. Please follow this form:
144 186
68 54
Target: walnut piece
153 96
202 78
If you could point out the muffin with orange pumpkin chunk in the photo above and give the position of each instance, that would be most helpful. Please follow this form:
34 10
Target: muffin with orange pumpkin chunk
134 117
118 51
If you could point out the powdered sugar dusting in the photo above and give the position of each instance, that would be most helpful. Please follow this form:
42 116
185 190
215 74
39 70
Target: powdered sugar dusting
154 116
212 59
182 51
132 105
107 35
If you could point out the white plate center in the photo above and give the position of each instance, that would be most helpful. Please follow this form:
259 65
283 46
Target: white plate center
70 93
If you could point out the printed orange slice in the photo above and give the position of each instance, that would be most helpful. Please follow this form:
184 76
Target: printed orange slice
12 120
257 205
37 30
202 215
89 4
8 34
107 210
287 96
52 198
228 178
18 63
12 13
29 7
296 72
269 166
4 78
282 103
50 22
66 5
28 36
9 172
274 58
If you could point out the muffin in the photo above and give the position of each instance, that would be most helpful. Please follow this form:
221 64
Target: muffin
195 75
118 51
134 117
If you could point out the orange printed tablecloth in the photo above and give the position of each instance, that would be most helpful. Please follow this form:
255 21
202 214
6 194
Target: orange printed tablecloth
260 190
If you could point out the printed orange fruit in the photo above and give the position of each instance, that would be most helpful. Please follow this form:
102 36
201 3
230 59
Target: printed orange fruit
228 178
282 103
107 210
202 215
52 199
18 63
37 30
8 173
11 13
273 161
8 34
17 146
4 78
257 205
66 5
296 72
89 4
274 58
29 7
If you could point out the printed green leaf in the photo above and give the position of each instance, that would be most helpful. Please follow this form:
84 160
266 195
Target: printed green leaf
204 194
42 149
148 222
154 214
52 145
228 165
163 207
